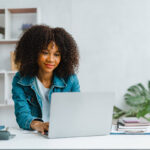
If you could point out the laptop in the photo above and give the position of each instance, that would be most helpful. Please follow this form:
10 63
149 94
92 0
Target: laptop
77 114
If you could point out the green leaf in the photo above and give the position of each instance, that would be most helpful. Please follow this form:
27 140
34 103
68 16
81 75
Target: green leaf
149 85
138 98
143 89
148 108
116 109
135 100
118 115
147 96
127 96
117 112
135 90
141 86
131 113
143 112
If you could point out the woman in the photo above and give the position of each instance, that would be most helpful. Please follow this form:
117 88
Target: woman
48 59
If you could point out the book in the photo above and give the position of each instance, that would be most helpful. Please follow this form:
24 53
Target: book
132 131
129 133
133 122
132 125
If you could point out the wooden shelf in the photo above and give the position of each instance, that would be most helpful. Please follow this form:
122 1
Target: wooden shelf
23 10
11 41
2 11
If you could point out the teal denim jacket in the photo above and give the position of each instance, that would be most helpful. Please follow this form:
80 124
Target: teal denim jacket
27 100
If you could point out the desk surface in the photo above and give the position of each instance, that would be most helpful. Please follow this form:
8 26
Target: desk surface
30 140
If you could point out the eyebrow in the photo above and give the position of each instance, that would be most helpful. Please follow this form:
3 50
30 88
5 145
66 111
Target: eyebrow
49 50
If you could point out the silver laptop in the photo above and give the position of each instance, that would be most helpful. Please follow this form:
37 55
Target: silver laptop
77 114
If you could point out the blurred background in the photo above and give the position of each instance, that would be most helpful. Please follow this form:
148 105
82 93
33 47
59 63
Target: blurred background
113 37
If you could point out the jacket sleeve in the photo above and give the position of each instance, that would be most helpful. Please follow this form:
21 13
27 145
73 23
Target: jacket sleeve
75 84
22 109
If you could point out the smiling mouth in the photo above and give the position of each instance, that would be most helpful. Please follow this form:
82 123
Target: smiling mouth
49 66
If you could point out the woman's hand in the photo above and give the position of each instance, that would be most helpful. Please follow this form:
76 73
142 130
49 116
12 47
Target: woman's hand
39 126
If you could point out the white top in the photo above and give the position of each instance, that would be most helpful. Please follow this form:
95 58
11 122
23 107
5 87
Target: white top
44 92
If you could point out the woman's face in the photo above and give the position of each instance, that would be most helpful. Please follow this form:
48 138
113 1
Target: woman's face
49 58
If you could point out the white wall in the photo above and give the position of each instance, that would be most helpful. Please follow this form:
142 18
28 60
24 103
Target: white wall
113 37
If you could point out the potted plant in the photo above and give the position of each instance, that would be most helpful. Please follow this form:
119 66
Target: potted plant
138 100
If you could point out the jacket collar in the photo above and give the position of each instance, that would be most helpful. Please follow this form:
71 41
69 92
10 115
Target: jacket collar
59 82
28 81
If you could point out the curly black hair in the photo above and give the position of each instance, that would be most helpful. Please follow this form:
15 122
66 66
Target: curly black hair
37 38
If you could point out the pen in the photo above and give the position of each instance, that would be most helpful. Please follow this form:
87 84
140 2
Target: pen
119 123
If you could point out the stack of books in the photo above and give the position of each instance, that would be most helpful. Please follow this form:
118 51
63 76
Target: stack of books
132 125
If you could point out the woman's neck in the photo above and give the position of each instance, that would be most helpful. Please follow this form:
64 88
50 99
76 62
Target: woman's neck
45 78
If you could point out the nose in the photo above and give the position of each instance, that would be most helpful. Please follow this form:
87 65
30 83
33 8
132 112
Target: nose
50 58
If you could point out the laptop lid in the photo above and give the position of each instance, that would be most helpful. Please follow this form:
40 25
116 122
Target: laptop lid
76 114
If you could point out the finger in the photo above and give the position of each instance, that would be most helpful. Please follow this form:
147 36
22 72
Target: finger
41 130
46 126
46 123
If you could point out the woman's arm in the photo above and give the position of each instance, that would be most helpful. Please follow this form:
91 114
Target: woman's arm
22 109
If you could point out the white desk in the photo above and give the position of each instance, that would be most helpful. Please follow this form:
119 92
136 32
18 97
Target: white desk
36 141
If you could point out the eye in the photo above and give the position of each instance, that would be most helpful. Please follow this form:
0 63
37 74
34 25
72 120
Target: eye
45 52
57 54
